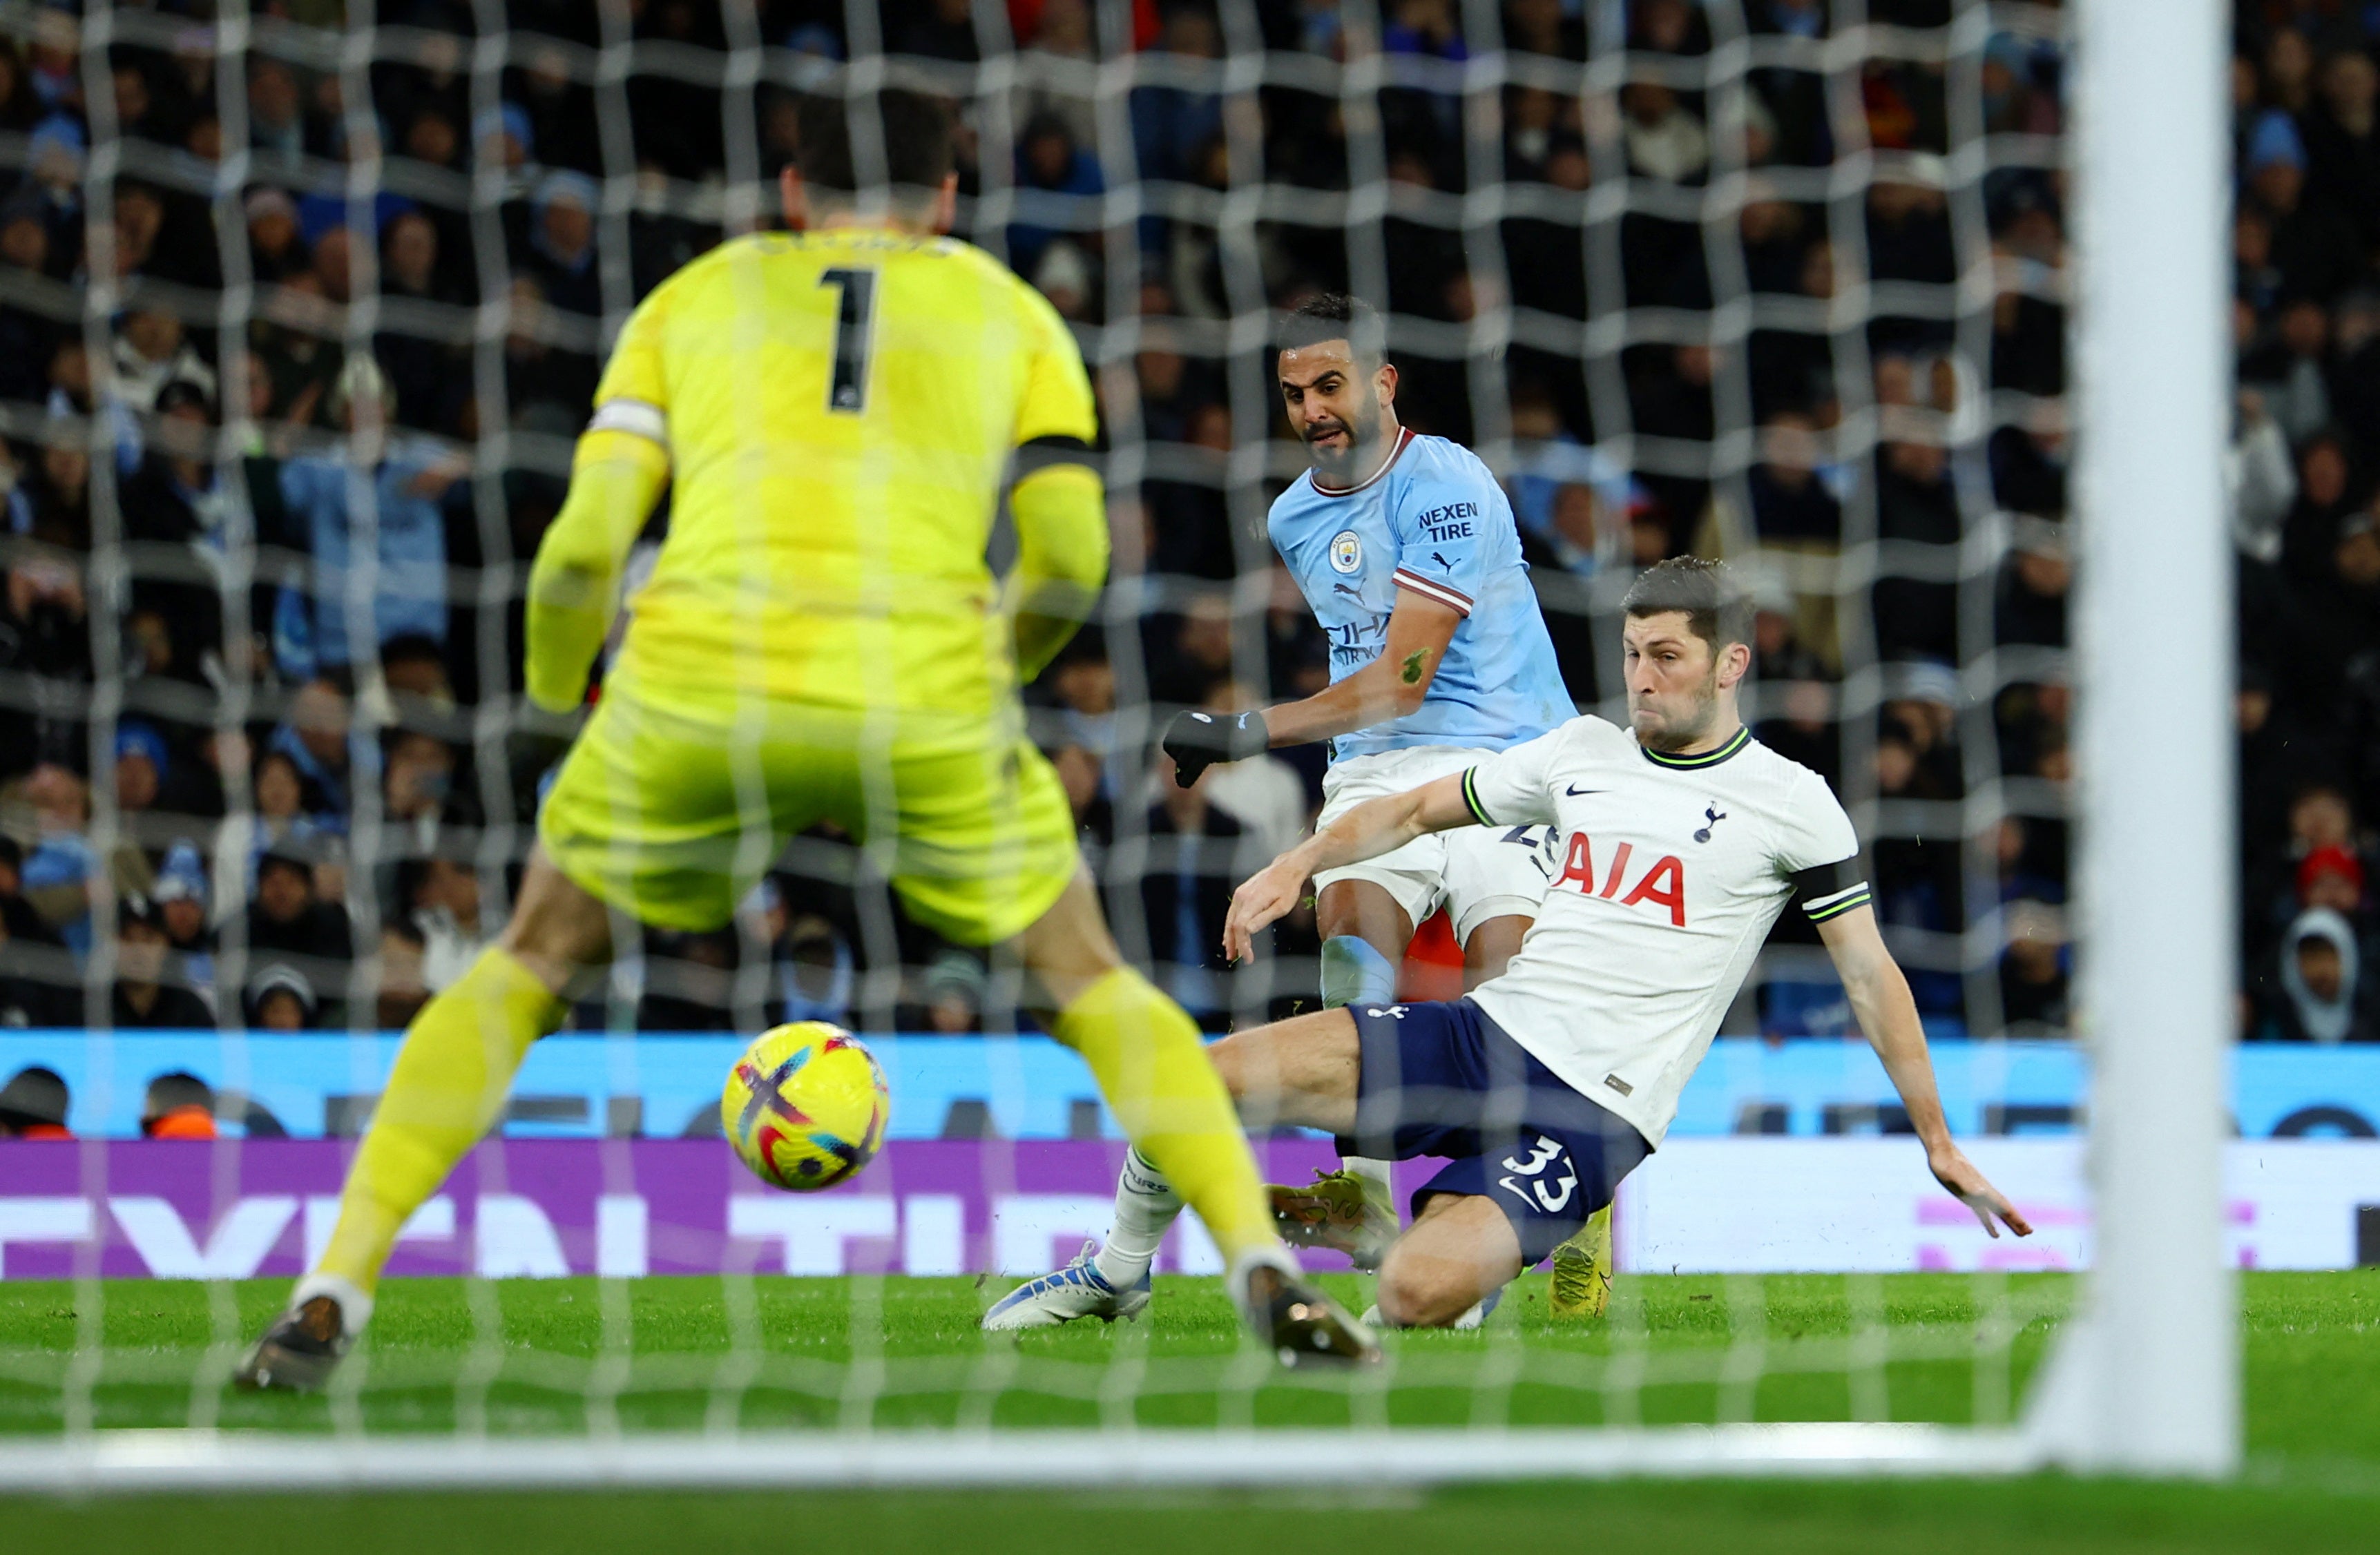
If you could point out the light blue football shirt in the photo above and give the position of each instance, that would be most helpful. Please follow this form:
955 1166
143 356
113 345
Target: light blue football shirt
1432 520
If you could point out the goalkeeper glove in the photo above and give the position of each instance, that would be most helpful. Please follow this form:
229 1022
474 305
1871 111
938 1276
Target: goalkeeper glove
1198 740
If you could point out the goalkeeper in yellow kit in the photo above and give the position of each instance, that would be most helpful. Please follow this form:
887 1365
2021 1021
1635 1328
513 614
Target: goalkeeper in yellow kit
834 411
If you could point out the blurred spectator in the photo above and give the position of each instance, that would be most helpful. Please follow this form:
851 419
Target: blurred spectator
689 981
178 1106
1546 27
547 388
953 989
277 818
2342 138
2029 603
53 172
1664 141
1065 277
2313 247
938 30
414 671
1789 501
1048 162
39 983
2323 499
1263 794
446 914
1168 123
316 740
2321 999
181 516
33 1105
145 997
814 975
1199 655
2262 479
275 107
2331 877
181 897
426 376
281 998
1194 859
285 916
59 863
1804 729
1083 683
561 242
140 764
407 576
2287 366
150 351
400 991
2342 606
1916 504
276 251
2034 971
416 776
28 336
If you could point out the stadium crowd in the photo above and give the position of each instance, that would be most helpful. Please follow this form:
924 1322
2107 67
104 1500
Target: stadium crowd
297 612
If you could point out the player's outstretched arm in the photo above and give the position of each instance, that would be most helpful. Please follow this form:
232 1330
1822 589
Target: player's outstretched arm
1880 997
1062 550
1372 828
574 588
1389 686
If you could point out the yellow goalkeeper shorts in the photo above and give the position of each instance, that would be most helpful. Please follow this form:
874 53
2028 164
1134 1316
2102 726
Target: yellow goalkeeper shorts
673 813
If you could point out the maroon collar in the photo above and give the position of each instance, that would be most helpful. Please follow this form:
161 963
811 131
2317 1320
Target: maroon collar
1405 435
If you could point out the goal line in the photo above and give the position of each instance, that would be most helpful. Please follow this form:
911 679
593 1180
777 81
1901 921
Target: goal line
132 1461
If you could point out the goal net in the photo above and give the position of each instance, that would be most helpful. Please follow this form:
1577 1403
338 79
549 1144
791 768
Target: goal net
1898 305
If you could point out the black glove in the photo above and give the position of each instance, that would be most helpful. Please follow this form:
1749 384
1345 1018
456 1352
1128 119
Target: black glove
1198 740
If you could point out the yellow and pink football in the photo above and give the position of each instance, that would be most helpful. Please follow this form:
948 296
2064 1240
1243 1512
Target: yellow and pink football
806 1106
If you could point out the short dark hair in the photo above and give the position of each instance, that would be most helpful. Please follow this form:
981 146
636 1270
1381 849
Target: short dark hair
917 128
1715 610
177 1088
1334 316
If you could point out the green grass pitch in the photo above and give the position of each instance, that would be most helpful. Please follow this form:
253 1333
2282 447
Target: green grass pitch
545 1356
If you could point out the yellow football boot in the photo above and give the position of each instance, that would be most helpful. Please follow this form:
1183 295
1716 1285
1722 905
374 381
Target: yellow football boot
1580 1286
1334 1212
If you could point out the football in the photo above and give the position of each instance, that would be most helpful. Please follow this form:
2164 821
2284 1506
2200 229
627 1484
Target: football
806 1106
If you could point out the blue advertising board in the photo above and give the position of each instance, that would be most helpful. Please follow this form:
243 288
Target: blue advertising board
1027 1088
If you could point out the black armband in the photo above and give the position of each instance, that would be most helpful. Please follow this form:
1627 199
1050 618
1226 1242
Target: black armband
1037 453
1827 891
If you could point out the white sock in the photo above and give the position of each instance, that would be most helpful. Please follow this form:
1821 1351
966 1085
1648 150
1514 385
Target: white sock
1146 1207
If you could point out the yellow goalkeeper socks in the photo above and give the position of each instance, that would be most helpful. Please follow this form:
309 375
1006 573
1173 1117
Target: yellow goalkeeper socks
448 1087
1145 1054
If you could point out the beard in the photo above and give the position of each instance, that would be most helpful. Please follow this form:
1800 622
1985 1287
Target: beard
1668 733
1363 433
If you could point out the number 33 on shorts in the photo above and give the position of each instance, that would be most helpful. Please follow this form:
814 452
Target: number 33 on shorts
1552 1193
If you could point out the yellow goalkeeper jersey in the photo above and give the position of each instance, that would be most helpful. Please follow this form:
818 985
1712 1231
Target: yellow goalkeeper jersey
840 408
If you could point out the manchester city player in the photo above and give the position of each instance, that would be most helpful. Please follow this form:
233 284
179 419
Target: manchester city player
1405 550
1683 839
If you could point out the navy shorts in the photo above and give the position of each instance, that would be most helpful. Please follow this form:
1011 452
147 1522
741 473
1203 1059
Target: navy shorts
1443 1079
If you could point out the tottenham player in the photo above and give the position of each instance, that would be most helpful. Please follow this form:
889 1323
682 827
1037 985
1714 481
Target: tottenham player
1683 839
1405 550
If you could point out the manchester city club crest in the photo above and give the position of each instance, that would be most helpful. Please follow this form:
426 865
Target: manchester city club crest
1346 551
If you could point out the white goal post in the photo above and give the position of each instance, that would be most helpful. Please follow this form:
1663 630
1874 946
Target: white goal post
2144 1378
2148 1380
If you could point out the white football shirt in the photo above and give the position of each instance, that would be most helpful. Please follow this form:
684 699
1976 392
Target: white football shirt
1673 870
